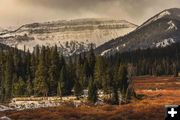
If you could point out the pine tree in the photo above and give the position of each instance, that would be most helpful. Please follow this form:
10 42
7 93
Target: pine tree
78 89
115 96
40 82
29 87
115 86
54 72
61 89
19 88
92 91
8 76
98 72
28 64
106 81
32 66
91 61
79 74
123 79
71 74
2 77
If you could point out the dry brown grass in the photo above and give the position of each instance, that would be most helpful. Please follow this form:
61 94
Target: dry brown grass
150 108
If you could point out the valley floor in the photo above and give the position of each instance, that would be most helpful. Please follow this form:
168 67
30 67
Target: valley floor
157 92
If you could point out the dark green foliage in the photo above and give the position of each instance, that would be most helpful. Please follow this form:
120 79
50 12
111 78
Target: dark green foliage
54 72
78 89
92 91
122 79
62 83
8 76
156 61
40 81
92 61
19 88
30 90
115 96
45 72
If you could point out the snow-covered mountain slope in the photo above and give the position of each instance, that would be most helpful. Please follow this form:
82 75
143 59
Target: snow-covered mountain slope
159 31
72 36
2 30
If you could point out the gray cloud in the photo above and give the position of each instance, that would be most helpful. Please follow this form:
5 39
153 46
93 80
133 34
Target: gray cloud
132 6
136 11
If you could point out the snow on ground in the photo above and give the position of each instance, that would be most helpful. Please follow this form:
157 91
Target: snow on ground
40 102
172 26
4 108
23 103
105 52
97 36
165 42
5 118
165 13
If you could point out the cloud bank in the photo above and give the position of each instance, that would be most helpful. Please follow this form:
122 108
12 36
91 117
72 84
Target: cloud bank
16 12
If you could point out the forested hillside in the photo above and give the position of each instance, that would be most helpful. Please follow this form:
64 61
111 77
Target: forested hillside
156 61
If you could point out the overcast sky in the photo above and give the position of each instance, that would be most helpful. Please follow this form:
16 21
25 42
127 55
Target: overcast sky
18 12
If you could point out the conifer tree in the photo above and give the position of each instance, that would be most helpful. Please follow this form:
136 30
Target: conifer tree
54 72
115 96
123 79
92 91
80 74
29 87
61 89
32 66
8 76
92 61
71 73
78 89
19 88
98 72
40 82
2 79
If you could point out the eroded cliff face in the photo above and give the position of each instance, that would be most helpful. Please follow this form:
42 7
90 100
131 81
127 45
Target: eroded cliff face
71 36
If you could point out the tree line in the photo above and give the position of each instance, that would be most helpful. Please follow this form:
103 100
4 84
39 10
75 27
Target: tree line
154 61
46 72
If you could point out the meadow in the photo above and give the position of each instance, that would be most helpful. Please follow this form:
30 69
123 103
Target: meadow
154 93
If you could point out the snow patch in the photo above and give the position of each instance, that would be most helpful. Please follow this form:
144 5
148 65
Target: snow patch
39 102
4 108
172 26
5 118
165 13
105 52
165 42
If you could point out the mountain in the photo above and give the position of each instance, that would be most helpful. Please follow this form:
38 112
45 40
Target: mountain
159 31
71 36
2 30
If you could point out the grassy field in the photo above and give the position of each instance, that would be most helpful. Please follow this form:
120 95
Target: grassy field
157 92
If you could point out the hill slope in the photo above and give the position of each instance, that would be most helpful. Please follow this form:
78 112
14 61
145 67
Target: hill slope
159 31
